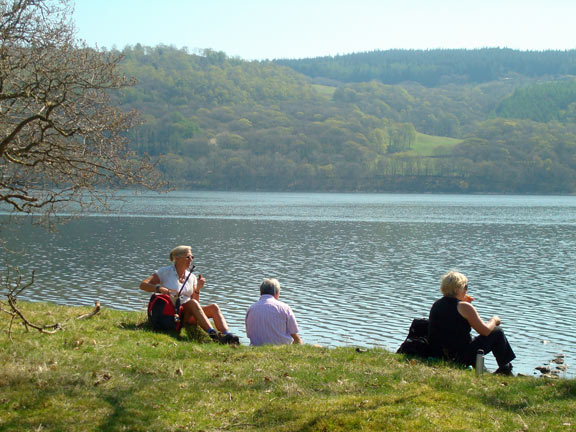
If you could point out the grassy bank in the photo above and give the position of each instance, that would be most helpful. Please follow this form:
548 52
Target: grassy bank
110 373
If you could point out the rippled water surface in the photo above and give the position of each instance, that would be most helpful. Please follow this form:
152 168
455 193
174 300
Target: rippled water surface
356 268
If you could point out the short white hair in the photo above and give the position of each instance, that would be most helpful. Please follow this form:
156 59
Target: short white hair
270 286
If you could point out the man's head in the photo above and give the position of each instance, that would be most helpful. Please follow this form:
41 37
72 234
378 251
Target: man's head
271 287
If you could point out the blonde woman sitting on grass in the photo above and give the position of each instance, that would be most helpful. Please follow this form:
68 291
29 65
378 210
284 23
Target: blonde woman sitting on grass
451 319
169 280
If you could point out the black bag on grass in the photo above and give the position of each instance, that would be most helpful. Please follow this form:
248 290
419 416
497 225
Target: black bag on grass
416 343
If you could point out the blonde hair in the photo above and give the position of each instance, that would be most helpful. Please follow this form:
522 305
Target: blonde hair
453 283
179 251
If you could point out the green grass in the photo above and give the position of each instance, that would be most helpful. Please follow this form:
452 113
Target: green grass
425 145
111 373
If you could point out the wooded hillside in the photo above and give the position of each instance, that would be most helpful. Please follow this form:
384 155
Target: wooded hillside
225 123
438 67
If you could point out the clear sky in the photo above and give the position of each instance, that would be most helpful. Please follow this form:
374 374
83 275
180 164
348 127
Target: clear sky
268 29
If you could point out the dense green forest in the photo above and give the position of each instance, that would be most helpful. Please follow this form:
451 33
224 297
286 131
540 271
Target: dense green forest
438 67
499 120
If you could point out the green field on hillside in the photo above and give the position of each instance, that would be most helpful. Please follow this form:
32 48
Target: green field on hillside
426 144
324 90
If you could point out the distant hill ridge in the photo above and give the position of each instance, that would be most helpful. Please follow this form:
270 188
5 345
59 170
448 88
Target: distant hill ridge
437 66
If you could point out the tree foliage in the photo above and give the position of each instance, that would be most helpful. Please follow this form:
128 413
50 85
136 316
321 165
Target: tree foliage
438 67
61 138
225 123
542 102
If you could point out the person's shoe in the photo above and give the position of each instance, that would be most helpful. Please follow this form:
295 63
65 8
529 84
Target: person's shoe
230 339
216 336
224 338
504 370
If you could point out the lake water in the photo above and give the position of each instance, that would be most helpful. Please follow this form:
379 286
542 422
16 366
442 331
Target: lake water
356 268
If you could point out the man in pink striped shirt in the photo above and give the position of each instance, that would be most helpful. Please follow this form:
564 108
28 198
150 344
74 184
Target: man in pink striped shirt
270 321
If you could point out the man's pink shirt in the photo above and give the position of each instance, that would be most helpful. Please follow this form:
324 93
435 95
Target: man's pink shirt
270 322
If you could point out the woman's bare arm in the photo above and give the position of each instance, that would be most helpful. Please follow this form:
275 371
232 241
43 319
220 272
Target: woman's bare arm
471 314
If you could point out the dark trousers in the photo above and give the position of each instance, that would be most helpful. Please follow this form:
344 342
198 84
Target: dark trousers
496 343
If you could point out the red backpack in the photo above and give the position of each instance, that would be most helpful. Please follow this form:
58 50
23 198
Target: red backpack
162 313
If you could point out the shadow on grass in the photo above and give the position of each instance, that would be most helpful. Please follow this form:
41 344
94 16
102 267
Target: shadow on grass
118 408
566 389
348 413
534 393
188 332
432 361
123 416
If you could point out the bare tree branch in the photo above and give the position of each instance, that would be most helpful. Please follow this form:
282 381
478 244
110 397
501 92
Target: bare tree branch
61 139
94 311
63 144
14 287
